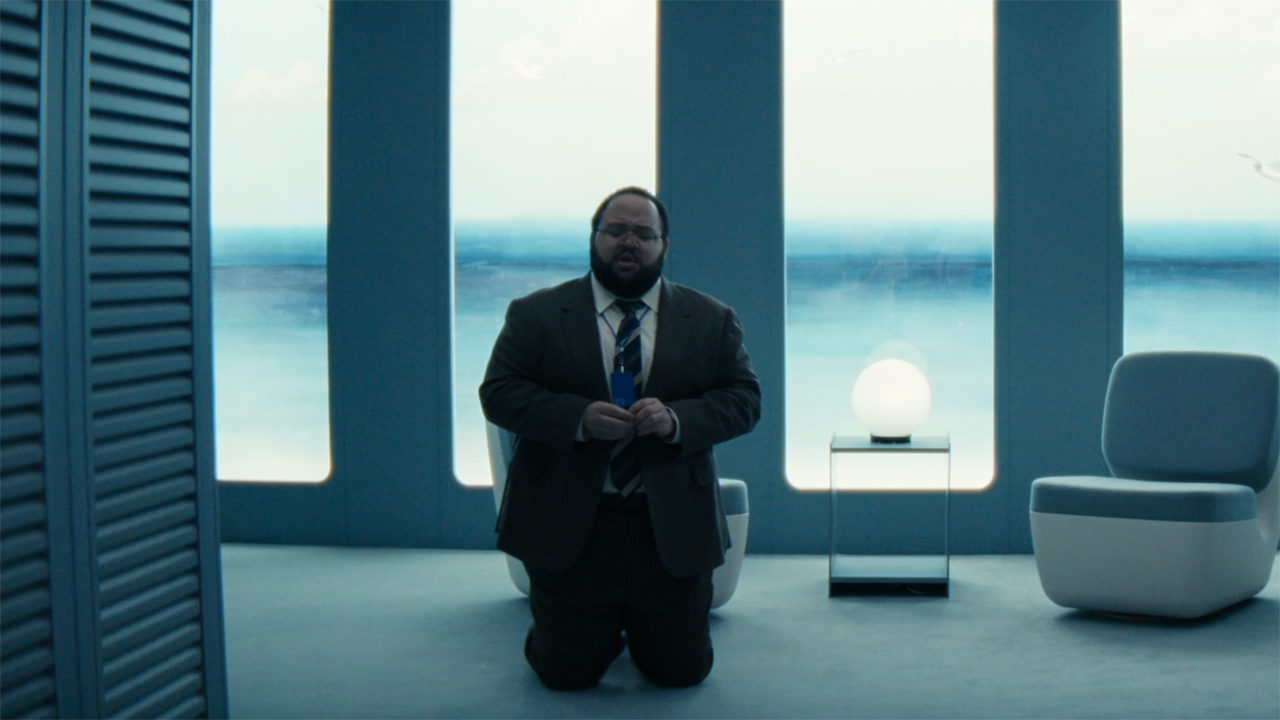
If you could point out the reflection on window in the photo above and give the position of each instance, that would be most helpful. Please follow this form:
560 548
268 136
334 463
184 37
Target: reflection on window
889 218
553 108
269 160
1202 175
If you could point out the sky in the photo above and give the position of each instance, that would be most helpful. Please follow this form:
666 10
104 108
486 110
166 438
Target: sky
888 108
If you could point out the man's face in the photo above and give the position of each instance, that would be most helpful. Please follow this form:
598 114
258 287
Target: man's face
626 252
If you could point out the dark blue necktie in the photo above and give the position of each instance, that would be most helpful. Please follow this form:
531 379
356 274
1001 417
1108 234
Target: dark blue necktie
624 464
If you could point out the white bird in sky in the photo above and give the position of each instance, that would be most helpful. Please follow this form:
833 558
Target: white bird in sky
1270 171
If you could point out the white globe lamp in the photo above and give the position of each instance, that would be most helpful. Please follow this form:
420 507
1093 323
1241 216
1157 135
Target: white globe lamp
891 398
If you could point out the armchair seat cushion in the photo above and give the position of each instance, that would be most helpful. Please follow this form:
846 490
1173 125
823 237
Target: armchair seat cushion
1144 499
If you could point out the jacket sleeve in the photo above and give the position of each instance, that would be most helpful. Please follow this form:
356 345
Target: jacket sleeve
730 405
526 388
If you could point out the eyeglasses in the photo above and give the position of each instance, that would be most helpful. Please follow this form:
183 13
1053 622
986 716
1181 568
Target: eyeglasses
621 230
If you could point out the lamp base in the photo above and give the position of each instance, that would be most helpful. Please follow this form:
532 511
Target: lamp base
891 440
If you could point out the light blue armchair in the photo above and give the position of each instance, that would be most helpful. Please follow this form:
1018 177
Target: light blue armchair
1190 521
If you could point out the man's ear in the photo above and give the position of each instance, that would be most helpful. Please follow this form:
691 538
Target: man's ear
666 245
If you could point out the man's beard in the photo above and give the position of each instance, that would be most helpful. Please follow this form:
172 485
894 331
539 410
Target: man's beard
633 287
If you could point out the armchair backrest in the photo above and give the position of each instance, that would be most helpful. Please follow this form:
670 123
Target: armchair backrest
1194 417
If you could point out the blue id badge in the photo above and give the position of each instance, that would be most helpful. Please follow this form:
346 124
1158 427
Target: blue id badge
624 388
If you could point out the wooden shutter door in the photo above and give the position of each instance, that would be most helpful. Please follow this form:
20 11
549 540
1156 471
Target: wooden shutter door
26 636
148 357
128 243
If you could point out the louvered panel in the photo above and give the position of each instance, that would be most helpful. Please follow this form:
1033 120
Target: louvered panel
20 484
117 102
23 635
23 545
25 34
121 76
104 45
32 699
19 456
23 575
109 345
17 395
136 368
163 702
150 601
126 184
176 13
124 477
18 517
14 305
17 336
120 587
117 670
173 683
20 424
19 247
141 420
106 155
131 395
176 439
18 65
135 541
19 157
15 366
136 132
160 622
18 95
138 500
28 604
116 289
139 315
138 211
139 238
20 667
139 321
138 262
15 184
21 10
13 216
122 21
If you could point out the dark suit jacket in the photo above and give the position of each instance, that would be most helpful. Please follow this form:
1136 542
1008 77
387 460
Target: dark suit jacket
546 368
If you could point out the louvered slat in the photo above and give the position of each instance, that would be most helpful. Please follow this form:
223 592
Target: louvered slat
150 601
26 674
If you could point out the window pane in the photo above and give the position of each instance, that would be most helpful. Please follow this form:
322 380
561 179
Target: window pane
1202 220
889 218
554 107
269 205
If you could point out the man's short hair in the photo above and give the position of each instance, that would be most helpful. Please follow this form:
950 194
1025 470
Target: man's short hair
633 190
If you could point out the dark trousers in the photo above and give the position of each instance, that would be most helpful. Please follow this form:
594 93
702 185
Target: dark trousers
619 585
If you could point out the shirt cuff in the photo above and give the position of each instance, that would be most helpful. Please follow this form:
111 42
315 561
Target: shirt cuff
675 434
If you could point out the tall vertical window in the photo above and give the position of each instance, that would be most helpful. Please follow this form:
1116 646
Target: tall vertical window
554 107
269 167
889 218
1202 175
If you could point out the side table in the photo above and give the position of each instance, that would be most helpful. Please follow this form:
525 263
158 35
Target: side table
919 472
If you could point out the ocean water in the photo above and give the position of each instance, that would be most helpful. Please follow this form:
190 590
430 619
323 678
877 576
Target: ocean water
849 291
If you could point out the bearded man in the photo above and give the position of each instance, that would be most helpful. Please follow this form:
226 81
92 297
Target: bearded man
618 385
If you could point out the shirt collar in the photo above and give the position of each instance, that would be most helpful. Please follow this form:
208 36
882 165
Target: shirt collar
604 298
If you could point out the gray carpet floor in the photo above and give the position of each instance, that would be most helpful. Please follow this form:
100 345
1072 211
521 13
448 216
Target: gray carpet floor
317 632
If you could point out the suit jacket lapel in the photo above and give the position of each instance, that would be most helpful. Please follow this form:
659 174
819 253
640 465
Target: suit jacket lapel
582 336
673 337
